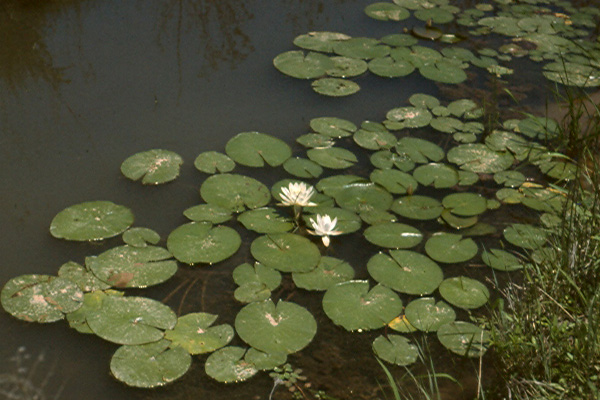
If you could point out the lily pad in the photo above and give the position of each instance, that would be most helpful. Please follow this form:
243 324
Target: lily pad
418 207
393 235
92 302
447 124
347 221
275 328
386 12
84 278
228 365
458 222
315 141
419 150
363 197
333 184
401 324
464 292
201 242
388 67
195 333
153 167
464 338
333 157
131 320
302 168
302 66
411 117
335 87
526 236
501 260
264 361
444 72
254 149
346 67
320 41
265 220
374 139
395 349
465 204
479 158
437 175
133 267
140 237
329 272
255 282
421 100
212 162
396 182
149 365
94 220
208 213
332 127
234 192
450 248
509 179
406 272
361 47
286 252
427 315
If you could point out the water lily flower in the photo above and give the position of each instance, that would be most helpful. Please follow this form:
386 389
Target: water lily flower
325 227
297 194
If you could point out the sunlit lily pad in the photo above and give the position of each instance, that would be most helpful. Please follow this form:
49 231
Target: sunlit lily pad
406 272
386 12
153 166
333 184
363 197
464 338
92 302
526 236
419 150
265 220
395 349
228 365
465 204
149 365
333 157
353 306
302 66
401 324
94 220
275 328
208 213
133 267
320 41
393 235
131 320
335 87
427 315
212 162
450 248
201 242
501 260
374 139
417 207
396 182
346 67
264 361
479 158
388 67
286 252
329 272
84 278
411 117
254 149
302 168
40 298
332 127
140 237
194 332
464 292
361 47
268 277
234 192
437 175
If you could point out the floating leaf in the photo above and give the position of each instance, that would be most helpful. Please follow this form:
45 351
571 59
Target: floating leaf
298 65
479 158
212 162
395 349
427 315
228 365
464 292
437 175
385 159
149 365
153 166
329 272
254 149
275 328
319 41
418 207
509 178
401 324
264 361
572 74
94 220
501 260
92 302
333 184
394 181
194 333
464 338
85 280
421 100
465 204
373 217
333 157
234 192
406 271
374 139
332 127
411 117
347 221
140 237
286 252
315 140
399 39
419 150
208 213
443 72
447 124
361 47
450 248
201 242
393 235
363 197
437 14
256 282
388 67
386 12
335 87
346 67
526 236
265 220
302 168
458 222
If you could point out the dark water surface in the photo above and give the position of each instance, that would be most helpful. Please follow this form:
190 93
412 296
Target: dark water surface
85 84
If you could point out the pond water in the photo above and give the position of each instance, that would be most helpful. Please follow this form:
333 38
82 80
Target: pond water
86 84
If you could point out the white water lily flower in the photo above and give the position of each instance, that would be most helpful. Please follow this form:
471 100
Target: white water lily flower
324 227
297 194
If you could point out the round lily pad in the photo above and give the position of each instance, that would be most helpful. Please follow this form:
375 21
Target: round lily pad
212 162
437 175
387 12
332 127
264 361
133 267
92 301
333 157
347 221
447 124
465 204
254 149
131 320
153 166
399 39
411 117
406 271
509 179
501 260
149 365
85 280
140 237
388 67
195 333
234 192
464 338
393 235
374 139
315 140
458 222
335 87
201 242
346 67
444 72
94 220
437 14
298 65
275 328
396 182
422 100
265 220
333 184
302 168
228 365
361 47
329 272
419 150
258 273
320 41
353 306
395 349
450 248
286 252
526 236
418 207
479 158
363 197
427 315
464 292
40 298
208 213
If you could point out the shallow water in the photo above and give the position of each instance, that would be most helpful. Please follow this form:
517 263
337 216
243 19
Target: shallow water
85 84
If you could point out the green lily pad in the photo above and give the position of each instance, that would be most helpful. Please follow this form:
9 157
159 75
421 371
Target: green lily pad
411 117
509 179
315 141
464 292
437 14
417 207
234 192
419 150
509 196
437 175
353 306
131 320
465 204
140 237
212 162
479 158
149 365
363 197
40 298
92 301
526 236
385 159
228 365
302 66
329 272
427 32
399 39
393 235
388 67
444 72
421 100
450 248
78 274
396 182
286 252
94 220
133 267
401 324
418 56
374 139
386 12
335 87
346 67
447 124
201 242
464 338
333 157
459 107
264 361
320 41
332 127
268 277
265 220
275 328
501 260
406 272
208 213
395 349
153 166
467 178
572 74
480 229
427 315
347 221
333 184
254 149
373 217
361 47
302 168
194 333
458 222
